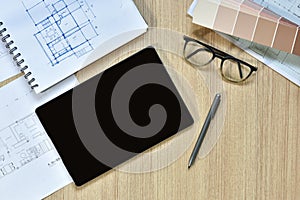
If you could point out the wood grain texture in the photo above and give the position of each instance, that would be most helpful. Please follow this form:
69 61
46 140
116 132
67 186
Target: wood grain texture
258 153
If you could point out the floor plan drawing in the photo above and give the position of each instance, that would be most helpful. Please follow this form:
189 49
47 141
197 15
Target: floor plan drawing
21 143
64 27
29 163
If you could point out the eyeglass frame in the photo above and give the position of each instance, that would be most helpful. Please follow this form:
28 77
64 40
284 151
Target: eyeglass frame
221 55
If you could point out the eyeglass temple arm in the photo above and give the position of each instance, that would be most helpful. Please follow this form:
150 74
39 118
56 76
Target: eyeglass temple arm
240 71
196 51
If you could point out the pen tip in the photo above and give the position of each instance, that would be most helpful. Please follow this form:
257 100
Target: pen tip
190 163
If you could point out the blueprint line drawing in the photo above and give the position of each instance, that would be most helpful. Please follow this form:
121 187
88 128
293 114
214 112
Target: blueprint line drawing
65 28
21 143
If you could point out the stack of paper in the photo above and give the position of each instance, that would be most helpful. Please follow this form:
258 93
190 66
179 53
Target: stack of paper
268 36
49 40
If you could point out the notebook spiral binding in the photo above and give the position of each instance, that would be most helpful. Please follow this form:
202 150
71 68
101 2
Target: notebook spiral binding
9 44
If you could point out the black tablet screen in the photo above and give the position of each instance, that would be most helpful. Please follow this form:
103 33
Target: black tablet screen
114 116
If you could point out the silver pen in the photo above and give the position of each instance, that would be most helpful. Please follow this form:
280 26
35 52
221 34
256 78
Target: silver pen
210 115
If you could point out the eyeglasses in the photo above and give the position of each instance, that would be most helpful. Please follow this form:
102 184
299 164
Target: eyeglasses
200 54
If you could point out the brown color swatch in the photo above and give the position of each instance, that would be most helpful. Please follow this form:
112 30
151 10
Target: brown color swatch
264 32
285 36
225 19
245 26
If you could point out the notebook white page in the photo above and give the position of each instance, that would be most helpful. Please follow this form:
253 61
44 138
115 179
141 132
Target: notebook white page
7 66
56 37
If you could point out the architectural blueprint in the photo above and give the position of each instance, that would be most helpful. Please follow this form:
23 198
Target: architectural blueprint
64 28
284 63
68 35
289 9
29 162
21 143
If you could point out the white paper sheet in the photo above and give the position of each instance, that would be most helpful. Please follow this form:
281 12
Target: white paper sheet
7 66
288 65
30 167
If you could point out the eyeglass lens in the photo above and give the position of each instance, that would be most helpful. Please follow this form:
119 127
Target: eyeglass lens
235 71
197 54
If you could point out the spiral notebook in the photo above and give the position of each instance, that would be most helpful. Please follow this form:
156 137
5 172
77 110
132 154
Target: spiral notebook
52 39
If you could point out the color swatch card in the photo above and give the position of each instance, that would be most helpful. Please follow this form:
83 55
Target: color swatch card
250 21
288 9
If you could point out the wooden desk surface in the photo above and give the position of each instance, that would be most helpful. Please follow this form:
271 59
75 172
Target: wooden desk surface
257 155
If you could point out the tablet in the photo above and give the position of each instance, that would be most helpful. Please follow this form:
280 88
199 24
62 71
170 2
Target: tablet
114 116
